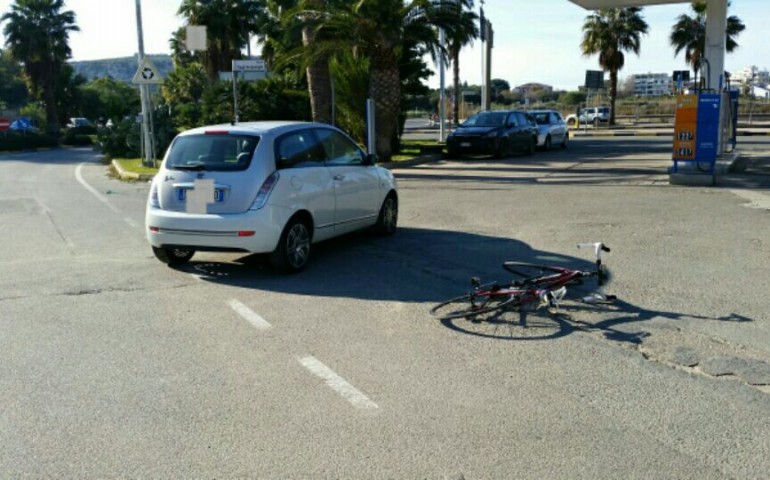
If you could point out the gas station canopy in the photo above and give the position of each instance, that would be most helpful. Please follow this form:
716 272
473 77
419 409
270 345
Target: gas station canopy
596 4
709 132
716 23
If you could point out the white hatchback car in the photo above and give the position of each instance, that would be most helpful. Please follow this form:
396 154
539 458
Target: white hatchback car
265 187
551 129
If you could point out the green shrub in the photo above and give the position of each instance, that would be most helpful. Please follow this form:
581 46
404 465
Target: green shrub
121 140
14 141
79 136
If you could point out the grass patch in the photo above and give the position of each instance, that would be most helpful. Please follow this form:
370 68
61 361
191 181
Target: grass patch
134 165
414 148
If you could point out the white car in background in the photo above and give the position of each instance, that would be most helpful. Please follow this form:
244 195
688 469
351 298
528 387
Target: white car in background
265 187
551 129
590 116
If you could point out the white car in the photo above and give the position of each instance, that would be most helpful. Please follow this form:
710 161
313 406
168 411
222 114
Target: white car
590 116
265 187
551 129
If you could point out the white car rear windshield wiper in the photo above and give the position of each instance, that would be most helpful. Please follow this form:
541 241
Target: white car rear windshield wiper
191 166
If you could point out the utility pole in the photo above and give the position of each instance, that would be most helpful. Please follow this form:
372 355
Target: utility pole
441 87
487 34
483 35
149 154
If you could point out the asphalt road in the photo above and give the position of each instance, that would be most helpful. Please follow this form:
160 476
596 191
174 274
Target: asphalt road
113 365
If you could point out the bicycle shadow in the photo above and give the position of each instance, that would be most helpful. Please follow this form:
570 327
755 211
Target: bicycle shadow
526 324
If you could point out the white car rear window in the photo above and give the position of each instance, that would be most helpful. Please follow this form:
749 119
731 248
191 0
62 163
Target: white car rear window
212 152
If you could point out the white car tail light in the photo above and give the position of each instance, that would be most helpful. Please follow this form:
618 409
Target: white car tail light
154 201
264 191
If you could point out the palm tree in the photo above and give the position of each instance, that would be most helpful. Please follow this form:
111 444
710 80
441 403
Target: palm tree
382 32
37 34
228 25
463 35
689 34
318 75
609 32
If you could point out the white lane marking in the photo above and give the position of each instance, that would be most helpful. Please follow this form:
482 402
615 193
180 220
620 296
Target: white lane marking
131 222
337 383
100 197
248 314
94 192
756 199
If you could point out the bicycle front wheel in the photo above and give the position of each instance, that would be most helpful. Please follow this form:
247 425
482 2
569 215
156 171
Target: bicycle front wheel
467 306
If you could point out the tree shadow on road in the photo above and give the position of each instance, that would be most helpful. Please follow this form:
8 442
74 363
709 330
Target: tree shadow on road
55 156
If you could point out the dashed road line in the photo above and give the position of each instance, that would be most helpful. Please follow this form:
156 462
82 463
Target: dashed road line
131 222
337 383
249 315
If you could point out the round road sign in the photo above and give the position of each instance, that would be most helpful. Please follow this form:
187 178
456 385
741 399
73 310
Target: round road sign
5 124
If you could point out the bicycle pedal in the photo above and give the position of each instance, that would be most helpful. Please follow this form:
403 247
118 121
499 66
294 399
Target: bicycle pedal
558 294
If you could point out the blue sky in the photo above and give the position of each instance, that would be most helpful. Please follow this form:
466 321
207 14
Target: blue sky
535 40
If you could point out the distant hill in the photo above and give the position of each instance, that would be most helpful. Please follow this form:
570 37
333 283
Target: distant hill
120 68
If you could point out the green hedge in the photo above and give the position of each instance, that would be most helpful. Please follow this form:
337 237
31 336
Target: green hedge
79 136
14 141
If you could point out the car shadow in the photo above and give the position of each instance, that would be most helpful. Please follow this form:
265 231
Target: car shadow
414 265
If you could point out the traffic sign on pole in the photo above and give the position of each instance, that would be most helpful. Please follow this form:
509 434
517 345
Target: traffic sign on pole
5 124
253 65
146 74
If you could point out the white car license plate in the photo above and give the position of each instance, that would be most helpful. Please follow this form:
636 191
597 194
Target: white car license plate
219 195
465 144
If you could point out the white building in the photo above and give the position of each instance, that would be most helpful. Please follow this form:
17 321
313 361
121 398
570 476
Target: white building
761 92
753 74
651 84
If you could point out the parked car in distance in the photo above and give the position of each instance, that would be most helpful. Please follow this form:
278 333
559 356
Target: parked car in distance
265 187
493 132
590 115
79 122
551 129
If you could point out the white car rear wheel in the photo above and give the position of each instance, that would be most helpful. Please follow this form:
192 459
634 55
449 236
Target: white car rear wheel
293 250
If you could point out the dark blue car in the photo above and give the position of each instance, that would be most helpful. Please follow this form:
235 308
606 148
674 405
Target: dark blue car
494 132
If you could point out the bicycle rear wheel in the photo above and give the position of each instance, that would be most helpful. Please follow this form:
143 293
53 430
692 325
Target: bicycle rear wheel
468 305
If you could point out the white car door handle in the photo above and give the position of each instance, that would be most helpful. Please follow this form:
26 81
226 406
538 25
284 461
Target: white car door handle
339 177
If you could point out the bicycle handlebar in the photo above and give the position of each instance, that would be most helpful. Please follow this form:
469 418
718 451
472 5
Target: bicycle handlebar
598 247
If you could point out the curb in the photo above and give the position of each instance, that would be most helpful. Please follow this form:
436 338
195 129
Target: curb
621 134
124 175
740 133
